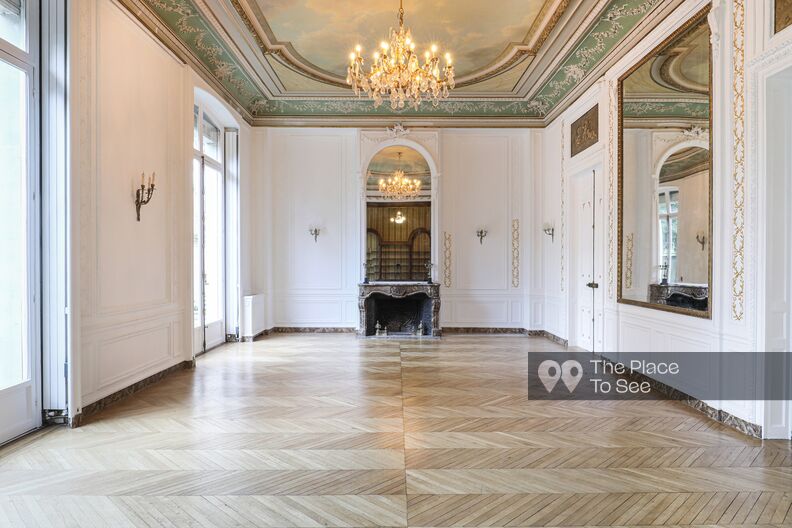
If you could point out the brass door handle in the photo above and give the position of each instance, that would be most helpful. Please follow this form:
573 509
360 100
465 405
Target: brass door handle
592 285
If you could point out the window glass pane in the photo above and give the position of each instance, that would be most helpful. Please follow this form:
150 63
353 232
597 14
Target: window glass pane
14 354
662 208
196 243
675 202
211 140
213 231
196 131
12 22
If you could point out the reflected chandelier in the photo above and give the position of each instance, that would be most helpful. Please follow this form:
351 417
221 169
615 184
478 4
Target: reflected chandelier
397 73
399 186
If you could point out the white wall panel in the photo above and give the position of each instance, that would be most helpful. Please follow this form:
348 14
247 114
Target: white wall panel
131 113
313 185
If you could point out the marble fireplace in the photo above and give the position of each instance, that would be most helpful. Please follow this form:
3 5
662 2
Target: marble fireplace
401 309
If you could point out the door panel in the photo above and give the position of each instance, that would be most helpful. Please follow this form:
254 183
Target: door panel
20 355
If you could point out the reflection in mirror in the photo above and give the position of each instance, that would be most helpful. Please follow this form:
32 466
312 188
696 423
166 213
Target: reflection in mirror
665 207
398 216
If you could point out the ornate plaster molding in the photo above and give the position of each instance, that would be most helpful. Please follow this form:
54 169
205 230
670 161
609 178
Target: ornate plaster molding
738 174
515 253
612 109
447 259
563 206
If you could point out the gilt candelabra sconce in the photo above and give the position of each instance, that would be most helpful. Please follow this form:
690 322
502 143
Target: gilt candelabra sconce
549 230
481 233
701 238
314 232
145 192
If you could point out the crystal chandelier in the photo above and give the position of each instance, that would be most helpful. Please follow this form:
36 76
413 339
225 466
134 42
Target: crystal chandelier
399 218
399 186
397 73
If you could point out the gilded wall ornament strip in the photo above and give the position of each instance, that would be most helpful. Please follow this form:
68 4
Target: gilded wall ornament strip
612 87
738 176
515 253
447 259
628 260
563 206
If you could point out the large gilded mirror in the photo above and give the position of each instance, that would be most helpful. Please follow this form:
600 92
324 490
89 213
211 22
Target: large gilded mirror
398 216
665 176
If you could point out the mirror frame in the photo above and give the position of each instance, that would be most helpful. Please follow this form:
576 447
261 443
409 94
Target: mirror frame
696 19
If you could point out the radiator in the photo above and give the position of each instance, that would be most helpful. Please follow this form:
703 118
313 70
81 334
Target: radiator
254 319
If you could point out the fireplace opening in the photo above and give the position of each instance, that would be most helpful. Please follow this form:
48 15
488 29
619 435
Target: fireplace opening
399 316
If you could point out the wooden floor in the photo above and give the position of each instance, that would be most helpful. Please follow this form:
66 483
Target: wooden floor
328 430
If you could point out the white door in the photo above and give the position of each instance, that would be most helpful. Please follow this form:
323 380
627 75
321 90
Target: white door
20 344
583 261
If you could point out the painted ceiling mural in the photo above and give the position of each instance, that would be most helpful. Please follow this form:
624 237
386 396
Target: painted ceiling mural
476 32
285 58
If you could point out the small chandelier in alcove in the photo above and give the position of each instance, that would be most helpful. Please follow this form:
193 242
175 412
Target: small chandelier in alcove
399 218
399 186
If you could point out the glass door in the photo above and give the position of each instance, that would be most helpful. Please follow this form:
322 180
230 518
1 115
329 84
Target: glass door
20 352
208 234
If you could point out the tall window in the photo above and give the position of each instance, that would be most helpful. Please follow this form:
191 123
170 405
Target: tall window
208 239
668 212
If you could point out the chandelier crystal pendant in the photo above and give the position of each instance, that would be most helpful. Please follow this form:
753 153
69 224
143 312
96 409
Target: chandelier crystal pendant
397 73
399 186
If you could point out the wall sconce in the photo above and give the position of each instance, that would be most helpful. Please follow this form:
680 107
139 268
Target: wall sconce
143 194
549 230
314 232
701 238
481 233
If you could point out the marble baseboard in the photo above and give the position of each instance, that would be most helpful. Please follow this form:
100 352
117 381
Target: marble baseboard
117 396
547 335
480 330
743 426
311 330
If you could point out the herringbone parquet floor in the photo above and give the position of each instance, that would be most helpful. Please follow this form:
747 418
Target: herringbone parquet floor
329 430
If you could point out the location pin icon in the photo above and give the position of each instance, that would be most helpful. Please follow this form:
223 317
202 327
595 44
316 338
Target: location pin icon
571 372
549 373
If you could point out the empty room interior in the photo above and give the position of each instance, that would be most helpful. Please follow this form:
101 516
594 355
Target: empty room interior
391 263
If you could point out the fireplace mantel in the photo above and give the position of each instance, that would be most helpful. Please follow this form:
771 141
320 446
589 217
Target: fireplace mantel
370 292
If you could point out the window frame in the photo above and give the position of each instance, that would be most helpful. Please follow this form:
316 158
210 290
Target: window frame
665 193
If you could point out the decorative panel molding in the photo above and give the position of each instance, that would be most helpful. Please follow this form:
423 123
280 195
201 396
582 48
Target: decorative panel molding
584 132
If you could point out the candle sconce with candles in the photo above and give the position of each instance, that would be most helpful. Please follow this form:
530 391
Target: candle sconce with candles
144 193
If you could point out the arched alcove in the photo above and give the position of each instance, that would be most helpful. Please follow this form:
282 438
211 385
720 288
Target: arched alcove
396 258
